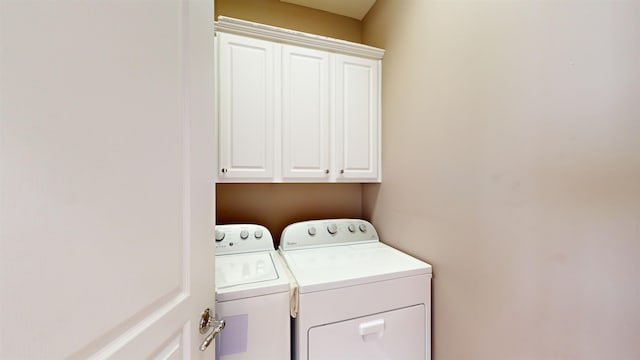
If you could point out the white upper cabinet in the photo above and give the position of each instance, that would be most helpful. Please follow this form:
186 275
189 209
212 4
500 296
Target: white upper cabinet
246 108
305 114
296 107
357 102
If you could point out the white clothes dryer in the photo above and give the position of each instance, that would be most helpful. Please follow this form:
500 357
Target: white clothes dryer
252 295
358 298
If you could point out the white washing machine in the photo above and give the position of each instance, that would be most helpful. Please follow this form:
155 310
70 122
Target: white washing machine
357 297
252 295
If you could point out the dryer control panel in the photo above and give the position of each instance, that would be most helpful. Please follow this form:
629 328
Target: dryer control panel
329 232
242 238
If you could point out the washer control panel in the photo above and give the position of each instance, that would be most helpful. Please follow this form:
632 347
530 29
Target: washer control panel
329 232
242 238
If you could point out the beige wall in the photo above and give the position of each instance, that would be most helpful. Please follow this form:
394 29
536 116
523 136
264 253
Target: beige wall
276 205
277 13
511 152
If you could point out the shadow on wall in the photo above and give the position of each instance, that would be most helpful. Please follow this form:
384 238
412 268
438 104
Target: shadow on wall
291 16
370 194
277 205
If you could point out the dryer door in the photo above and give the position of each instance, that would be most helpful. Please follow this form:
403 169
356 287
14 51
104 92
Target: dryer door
396 334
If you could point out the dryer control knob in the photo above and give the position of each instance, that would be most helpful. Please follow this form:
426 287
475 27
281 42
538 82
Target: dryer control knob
258 234
332 229
312 231
244 234
219 235
352 228
363 228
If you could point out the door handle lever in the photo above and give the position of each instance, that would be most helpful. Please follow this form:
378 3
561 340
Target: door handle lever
208 323
218 325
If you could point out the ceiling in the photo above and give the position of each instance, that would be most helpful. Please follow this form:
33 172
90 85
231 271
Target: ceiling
356 9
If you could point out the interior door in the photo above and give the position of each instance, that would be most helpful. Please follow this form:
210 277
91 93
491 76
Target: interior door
107 158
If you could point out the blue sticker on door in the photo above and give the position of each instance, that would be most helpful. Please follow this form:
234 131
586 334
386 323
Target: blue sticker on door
233 339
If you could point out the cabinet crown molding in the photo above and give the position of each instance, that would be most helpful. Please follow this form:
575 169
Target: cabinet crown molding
282 35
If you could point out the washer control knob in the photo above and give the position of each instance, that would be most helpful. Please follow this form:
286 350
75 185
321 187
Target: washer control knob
219 235
352 228
258 234
244 234
332 229
312 231
362 227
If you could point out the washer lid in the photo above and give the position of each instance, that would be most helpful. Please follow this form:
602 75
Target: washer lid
347 265
245 269
248 275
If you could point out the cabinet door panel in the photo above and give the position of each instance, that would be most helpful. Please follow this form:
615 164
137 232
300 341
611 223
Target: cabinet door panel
305 113
357 118
246 68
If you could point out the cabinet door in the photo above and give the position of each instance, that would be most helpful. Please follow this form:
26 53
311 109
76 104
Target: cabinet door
357 91
305 113
246 105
